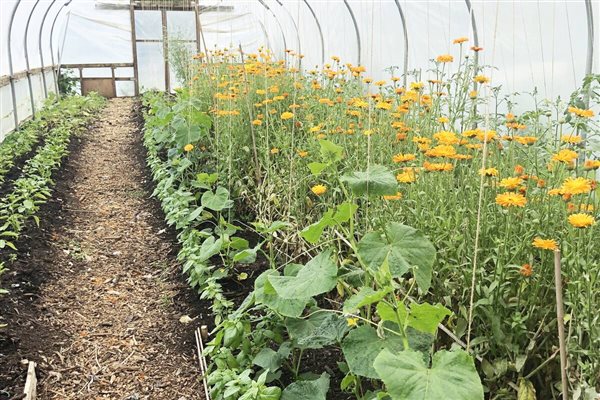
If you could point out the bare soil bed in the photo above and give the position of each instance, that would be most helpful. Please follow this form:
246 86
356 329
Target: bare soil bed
96 292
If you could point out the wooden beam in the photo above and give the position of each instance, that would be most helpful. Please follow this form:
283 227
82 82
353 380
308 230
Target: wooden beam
136 81
165 40
96 65
30 390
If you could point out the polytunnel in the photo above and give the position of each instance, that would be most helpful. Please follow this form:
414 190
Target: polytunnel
300 199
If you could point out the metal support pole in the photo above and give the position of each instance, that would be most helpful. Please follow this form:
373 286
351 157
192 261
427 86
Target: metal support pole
295 26
476 56
405 67
278 24
355 29
197 25
320 31
10 65
54 68
40 48
27 66
136 81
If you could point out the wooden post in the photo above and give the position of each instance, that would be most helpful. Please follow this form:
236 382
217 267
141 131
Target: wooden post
114 82
134 48
165 39
30 390
560 317
197 24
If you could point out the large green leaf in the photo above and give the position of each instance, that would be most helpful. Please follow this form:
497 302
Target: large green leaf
375 181
308 390
265 294
362 345
342 214
364 297
187 134
217 200
452 376
426 317
331 152
319 330
404 248
209 248
318 276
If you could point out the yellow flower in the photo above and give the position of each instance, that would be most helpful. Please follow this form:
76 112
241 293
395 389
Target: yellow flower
544 244
481 79
577 185
581 220
486 136
261 92
442 150
274 150
473 94
319 190
368 132
565 156
287 115
302 153
352 321
444 58
257 122
399 158
581 112
488 172
188 147
526 140
407 176
571 139
510 199
396 196
460 40
445 137
510 183
591 164
382 105
417 85
432 167
442 120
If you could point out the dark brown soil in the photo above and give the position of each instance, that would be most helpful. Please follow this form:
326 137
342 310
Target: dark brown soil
96 293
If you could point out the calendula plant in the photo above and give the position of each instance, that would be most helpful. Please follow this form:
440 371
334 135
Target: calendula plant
377 191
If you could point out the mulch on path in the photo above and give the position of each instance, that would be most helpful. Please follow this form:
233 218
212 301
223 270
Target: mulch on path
96 293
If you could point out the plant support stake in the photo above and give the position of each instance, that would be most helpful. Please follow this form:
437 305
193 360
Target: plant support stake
560 319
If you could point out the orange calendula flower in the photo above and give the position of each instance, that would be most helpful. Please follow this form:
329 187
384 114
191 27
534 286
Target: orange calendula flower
444 58
287 115
581 220
566 156
591 164
274 150
488 172
511 183
400 158
581 112
319 190
577 185
406 176
511 199
526 140
570 139
302 153
437 167
442 150
188 147
460 40
446 137
396 196
257 122
519 169
544 244
526 270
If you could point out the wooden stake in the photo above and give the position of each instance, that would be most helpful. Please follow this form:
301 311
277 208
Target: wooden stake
199 333
560 316
30 389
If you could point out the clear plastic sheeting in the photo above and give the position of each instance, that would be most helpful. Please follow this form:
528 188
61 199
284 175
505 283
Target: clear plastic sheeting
540 46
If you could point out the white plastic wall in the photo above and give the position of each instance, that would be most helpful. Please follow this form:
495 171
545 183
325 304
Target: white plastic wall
538 45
